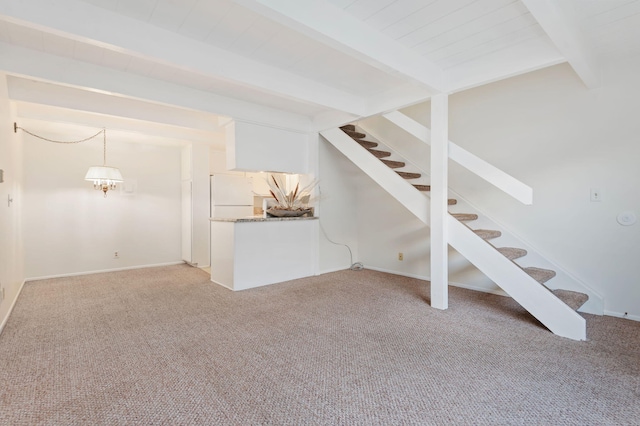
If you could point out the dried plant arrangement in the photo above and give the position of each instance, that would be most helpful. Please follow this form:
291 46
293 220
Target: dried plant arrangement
290 201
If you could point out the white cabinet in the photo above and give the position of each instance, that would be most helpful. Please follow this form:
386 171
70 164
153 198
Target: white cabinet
256 252
255 147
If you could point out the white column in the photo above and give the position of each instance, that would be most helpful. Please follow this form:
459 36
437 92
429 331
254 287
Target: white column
438 222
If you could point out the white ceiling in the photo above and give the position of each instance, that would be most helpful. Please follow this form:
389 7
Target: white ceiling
304 65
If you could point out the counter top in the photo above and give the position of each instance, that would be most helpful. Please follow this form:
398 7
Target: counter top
260 219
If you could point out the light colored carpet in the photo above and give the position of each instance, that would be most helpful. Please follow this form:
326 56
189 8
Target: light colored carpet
166 346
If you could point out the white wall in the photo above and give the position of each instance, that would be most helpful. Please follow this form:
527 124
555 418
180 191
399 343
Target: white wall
386 228
338 208
11 247
70 228
546 129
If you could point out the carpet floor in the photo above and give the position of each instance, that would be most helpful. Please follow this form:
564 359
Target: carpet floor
165 346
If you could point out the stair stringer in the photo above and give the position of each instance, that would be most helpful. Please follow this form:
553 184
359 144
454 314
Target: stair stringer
531 295
389 180
535 256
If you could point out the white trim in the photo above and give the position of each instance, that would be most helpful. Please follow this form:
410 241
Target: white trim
328 271
101 271
13 304
622 315
498 292
451 283
403 274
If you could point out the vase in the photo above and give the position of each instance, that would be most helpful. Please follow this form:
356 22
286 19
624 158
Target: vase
287 213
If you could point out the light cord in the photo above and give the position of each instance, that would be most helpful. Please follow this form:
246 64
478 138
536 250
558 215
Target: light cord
355 266
104 146
103 131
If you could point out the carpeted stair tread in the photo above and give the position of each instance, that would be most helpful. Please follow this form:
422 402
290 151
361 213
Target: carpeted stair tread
409 175
423 187
539 274
512 253
573 299
487 234
349 127
394 164
452 201
354 134
379 154
465 217
367 144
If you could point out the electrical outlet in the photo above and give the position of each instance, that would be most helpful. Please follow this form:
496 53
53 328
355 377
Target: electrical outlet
116 255
400 256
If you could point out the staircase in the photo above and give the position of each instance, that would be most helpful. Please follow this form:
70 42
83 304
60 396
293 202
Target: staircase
555 308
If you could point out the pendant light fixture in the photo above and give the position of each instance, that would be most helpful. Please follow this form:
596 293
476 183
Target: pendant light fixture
104 177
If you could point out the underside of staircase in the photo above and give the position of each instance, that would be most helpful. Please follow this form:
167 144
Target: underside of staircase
494 257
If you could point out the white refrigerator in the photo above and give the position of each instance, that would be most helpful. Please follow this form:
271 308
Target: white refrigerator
231 197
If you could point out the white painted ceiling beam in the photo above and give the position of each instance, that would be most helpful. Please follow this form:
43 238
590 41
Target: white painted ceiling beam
324 22
50 68
72 98
397 98
390 100
86 23
65 131
331 119
154 129
531 55
561 26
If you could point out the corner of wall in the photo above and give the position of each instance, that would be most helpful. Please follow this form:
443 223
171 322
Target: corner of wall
11 244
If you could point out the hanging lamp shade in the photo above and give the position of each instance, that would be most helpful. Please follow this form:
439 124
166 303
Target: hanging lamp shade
98 173
104 177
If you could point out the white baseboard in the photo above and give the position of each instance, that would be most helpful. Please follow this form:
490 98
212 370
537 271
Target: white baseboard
451 283
485 290
75 274
404 274
6 318
480 289
622 315
328 271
